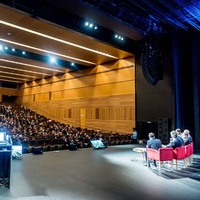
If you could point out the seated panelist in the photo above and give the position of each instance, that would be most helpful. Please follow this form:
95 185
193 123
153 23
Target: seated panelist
152 143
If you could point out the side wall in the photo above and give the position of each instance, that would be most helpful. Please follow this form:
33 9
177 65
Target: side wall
99 98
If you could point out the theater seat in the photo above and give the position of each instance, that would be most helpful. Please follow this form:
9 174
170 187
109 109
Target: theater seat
163 154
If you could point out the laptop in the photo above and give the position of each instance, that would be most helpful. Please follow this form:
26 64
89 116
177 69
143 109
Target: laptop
97 144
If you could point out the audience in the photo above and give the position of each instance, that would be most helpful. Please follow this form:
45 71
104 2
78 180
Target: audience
22 124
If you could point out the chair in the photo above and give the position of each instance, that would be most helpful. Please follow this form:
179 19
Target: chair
54 144
188 152
179 154
192 151
160 155
46 146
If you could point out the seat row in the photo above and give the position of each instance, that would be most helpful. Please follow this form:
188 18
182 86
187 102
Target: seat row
184 153
47 145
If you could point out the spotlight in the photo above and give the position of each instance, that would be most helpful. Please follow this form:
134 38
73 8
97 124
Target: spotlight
13 49
72 64
52 59
119 37
91 25
23 52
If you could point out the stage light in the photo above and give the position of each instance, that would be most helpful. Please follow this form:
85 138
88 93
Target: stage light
119 37
23 52
13 49
91 25
52 59
1 47
6 48
72 64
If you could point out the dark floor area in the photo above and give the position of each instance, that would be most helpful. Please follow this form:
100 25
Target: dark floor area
114 173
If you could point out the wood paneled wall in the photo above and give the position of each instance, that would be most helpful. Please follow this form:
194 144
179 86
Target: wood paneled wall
104 96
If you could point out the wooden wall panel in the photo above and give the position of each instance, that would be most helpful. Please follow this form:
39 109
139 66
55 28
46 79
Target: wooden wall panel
106 93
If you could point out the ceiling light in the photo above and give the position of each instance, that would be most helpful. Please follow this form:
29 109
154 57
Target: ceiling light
56 39
50 52
91 25
119 37
52 59
34 66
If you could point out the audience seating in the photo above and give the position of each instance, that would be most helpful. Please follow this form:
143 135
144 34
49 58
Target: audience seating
163 154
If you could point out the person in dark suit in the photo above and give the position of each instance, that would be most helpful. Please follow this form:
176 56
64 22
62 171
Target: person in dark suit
174 141
179 136
152 143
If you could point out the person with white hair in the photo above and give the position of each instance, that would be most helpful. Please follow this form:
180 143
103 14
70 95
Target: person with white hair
189 136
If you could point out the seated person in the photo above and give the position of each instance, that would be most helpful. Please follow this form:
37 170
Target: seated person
174 141
189 136
179 136
185 138
152 143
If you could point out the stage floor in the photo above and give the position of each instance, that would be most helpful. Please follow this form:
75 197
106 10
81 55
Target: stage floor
114 173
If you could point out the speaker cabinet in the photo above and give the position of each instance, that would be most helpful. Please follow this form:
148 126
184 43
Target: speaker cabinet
37 150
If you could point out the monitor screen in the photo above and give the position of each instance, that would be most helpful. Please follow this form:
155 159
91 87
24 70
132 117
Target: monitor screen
97 144
16 151
2 137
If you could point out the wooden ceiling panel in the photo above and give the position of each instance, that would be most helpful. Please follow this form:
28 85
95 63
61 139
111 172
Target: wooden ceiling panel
39 37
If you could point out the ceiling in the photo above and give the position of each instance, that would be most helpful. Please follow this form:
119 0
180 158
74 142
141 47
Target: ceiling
32 32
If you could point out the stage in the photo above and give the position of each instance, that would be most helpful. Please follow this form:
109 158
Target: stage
113 173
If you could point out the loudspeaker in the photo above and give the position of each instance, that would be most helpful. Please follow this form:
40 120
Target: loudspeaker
37 150
73 146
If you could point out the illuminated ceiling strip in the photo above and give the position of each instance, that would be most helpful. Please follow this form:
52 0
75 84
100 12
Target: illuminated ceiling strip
18 74
14 78
2 79
29 65
57 54
56 39
23 70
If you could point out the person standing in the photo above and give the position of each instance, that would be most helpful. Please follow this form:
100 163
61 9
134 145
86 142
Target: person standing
134 136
